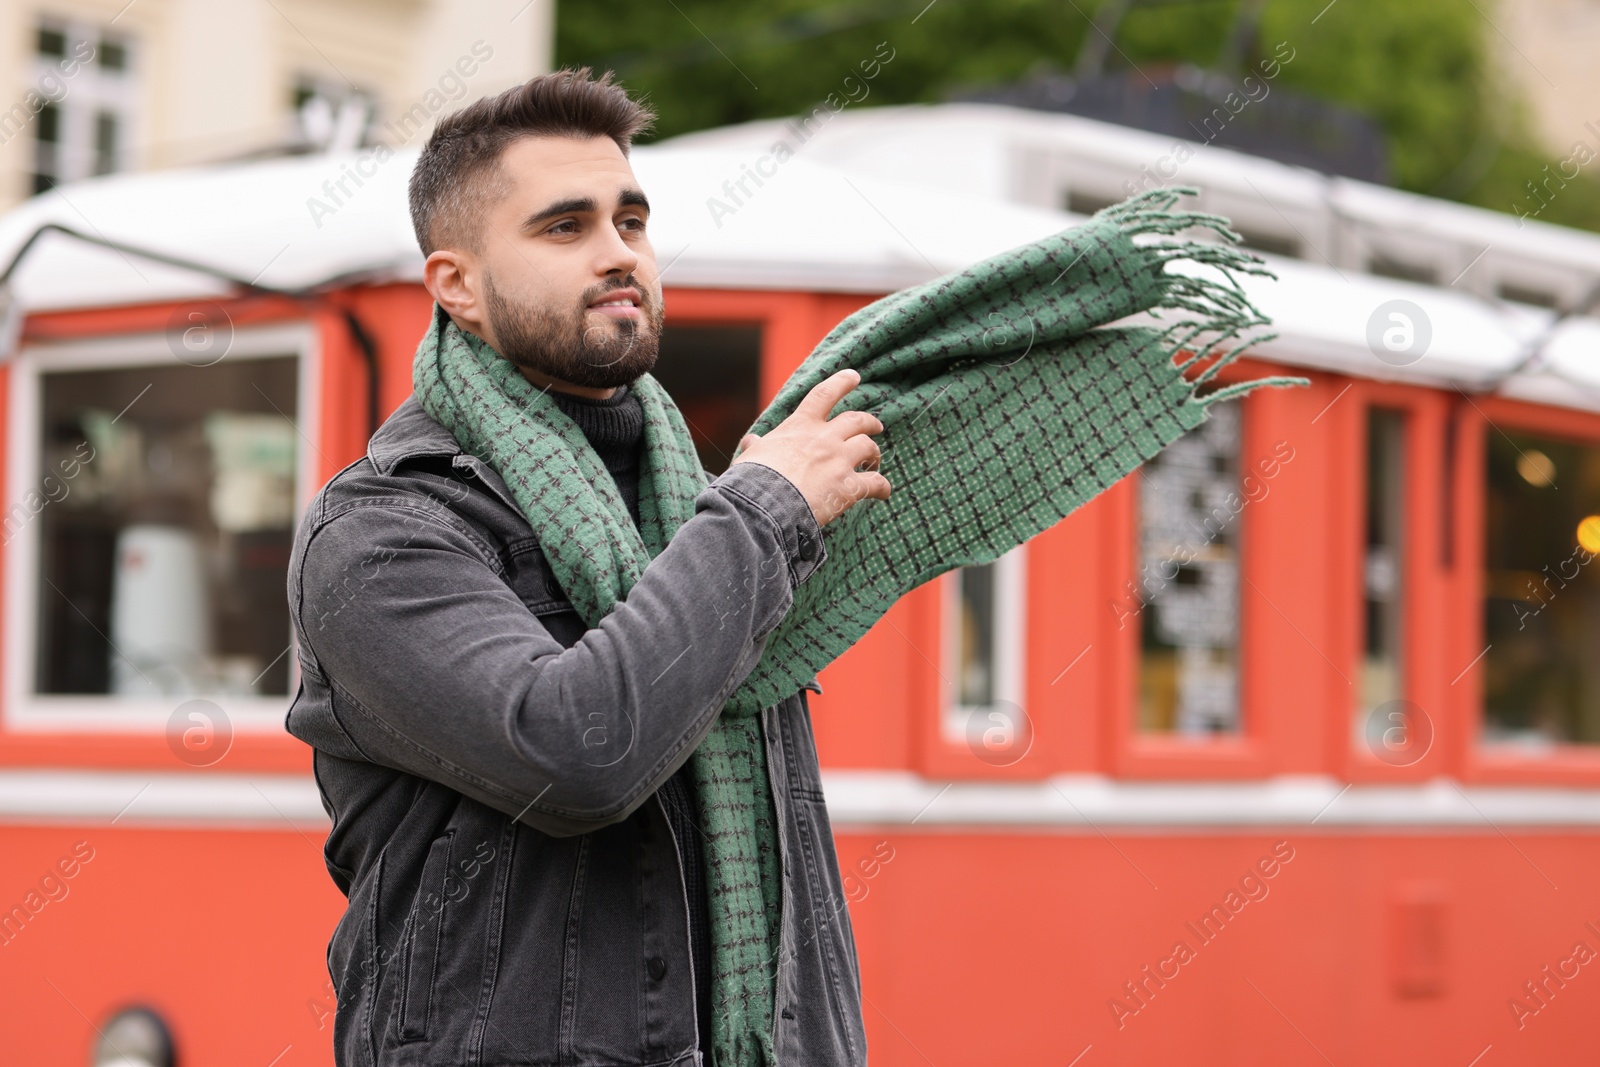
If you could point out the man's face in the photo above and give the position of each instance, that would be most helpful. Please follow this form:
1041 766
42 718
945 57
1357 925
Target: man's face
565 273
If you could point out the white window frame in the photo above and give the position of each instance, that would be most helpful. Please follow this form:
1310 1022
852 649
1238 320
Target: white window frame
26 711
1010 636
91 90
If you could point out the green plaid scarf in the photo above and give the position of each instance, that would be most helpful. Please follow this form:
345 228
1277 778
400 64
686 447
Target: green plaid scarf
1008 400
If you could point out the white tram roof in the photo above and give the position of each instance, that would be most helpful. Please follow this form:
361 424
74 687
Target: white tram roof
922 192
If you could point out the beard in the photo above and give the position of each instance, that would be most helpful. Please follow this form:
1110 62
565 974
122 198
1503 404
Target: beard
565 346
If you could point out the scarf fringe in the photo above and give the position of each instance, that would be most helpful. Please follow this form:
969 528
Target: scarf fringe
1222 310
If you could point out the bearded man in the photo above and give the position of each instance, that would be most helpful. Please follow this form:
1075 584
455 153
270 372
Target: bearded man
519 617
555 674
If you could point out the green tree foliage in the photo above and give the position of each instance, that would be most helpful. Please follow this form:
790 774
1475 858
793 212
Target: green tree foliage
1422 69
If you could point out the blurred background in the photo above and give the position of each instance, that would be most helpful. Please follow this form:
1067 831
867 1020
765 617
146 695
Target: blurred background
1286 749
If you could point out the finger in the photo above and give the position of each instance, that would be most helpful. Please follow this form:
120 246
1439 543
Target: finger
828 392
854 422
876 485
863 449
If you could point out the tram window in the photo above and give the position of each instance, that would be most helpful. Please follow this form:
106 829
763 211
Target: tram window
1541 590
1391 267
164 541
1079 202
1189 517
983 639
1271 243
975 664
713 374
1527 294
1383 570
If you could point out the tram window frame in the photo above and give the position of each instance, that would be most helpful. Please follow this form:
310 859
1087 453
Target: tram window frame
41 715
1559 763
1253 751
1410 741
998 730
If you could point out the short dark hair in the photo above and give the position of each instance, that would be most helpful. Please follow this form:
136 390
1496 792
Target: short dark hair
458 172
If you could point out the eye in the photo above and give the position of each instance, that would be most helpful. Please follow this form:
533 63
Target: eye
634 221
564 226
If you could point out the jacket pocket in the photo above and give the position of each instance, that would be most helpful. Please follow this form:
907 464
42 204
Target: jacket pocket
427 923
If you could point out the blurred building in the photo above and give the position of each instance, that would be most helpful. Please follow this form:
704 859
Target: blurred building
99 86
1547 49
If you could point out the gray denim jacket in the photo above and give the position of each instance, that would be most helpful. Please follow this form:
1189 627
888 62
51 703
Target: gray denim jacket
491 766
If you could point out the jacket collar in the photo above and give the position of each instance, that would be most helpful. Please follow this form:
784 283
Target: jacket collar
408 433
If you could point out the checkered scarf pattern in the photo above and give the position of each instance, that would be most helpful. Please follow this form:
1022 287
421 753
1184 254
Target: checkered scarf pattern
1011 393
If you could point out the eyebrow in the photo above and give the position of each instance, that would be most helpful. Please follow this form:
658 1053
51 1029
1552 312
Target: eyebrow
580 205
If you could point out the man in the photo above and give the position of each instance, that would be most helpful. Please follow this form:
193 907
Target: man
513 819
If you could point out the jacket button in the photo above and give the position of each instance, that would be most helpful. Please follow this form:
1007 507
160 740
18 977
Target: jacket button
657 967
808 546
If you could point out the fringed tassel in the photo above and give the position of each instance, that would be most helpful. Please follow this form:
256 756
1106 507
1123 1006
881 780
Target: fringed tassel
1223 310
1241 388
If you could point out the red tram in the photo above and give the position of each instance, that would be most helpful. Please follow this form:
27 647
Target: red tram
1285 749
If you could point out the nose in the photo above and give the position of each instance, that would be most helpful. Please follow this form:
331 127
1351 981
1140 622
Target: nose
615 256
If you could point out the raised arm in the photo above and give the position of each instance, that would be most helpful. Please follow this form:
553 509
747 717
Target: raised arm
438 667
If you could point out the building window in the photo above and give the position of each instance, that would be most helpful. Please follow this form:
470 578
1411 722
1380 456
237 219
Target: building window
47 147
164 529
52 42
1383 570
330 114
113 55
87 77
1541 590
1189 505
105 142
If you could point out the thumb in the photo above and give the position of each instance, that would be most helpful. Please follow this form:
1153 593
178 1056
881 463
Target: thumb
747 440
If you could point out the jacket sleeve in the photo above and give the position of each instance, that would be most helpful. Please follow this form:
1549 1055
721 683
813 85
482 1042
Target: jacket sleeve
439 669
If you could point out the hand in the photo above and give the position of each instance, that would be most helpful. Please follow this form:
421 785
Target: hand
821 456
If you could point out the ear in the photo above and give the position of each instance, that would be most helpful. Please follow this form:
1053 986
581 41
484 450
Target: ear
452 279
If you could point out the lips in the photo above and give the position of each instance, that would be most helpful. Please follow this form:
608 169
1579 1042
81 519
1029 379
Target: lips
618 304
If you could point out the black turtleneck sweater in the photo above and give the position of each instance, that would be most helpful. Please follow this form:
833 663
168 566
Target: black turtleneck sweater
615 429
